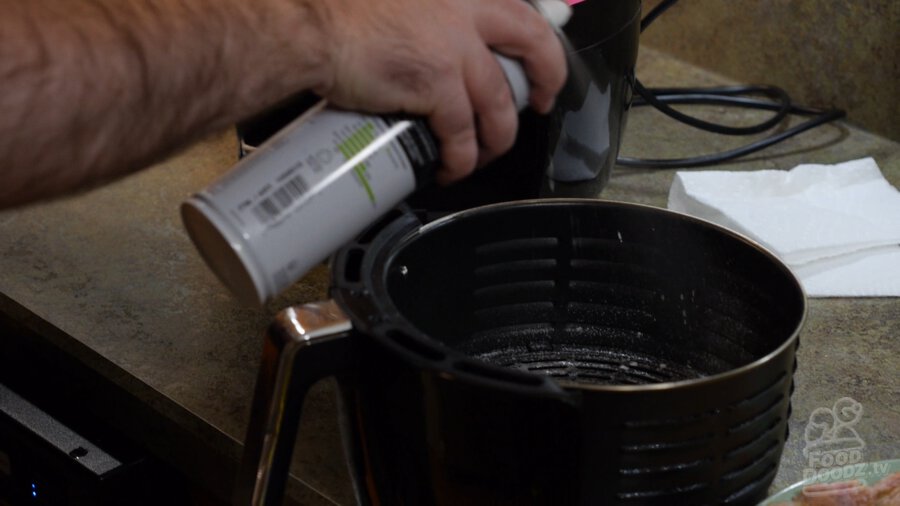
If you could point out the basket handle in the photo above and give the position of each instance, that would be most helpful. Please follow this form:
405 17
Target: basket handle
302 345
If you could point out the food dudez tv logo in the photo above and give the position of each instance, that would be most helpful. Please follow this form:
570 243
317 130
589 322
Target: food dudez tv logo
832 443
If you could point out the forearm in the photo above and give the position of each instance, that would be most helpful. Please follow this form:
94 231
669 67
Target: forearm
90 90
93 89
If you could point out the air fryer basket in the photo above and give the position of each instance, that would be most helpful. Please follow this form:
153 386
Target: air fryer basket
588 291
676 337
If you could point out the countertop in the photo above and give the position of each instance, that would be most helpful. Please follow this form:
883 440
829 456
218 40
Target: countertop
109 280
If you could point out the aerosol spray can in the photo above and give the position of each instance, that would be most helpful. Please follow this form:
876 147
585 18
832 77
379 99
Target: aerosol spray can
314 186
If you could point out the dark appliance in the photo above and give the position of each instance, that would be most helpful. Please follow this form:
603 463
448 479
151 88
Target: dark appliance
555 351
55 455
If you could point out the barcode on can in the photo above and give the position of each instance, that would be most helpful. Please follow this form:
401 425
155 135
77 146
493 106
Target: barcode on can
271 207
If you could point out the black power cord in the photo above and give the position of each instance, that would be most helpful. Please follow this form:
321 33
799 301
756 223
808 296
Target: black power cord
777 100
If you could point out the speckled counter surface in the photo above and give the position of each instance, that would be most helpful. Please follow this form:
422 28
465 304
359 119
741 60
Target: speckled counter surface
110 279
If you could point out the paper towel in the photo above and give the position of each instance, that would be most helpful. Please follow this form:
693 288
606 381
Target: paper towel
836 226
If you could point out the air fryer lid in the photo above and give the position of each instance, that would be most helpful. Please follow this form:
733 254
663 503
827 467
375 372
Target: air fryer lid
569 292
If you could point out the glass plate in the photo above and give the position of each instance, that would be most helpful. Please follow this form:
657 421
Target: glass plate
868 472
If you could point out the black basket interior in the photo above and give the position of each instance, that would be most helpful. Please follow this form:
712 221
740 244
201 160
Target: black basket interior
594 293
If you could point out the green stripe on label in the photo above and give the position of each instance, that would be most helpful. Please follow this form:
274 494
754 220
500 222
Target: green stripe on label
352 145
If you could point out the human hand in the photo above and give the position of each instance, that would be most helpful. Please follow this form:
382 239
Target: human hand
434 58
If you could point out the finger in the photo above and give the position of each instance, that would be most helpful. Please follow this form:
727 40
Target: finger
516 29
453 124
492 103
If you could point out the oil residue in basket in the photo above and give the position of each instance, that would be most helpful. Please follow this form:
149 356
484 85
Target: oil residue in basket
592 365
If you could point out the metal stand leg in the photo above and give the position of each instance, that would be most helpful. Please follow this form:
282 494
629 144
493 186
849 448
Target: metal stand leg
303 345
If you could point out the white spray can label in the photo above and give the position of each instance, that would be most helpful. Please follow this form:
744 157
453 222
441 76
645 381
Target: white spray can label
303 194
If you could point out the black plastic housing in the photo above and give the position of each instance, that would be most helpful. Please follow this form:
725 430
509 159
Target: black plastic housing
566 352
